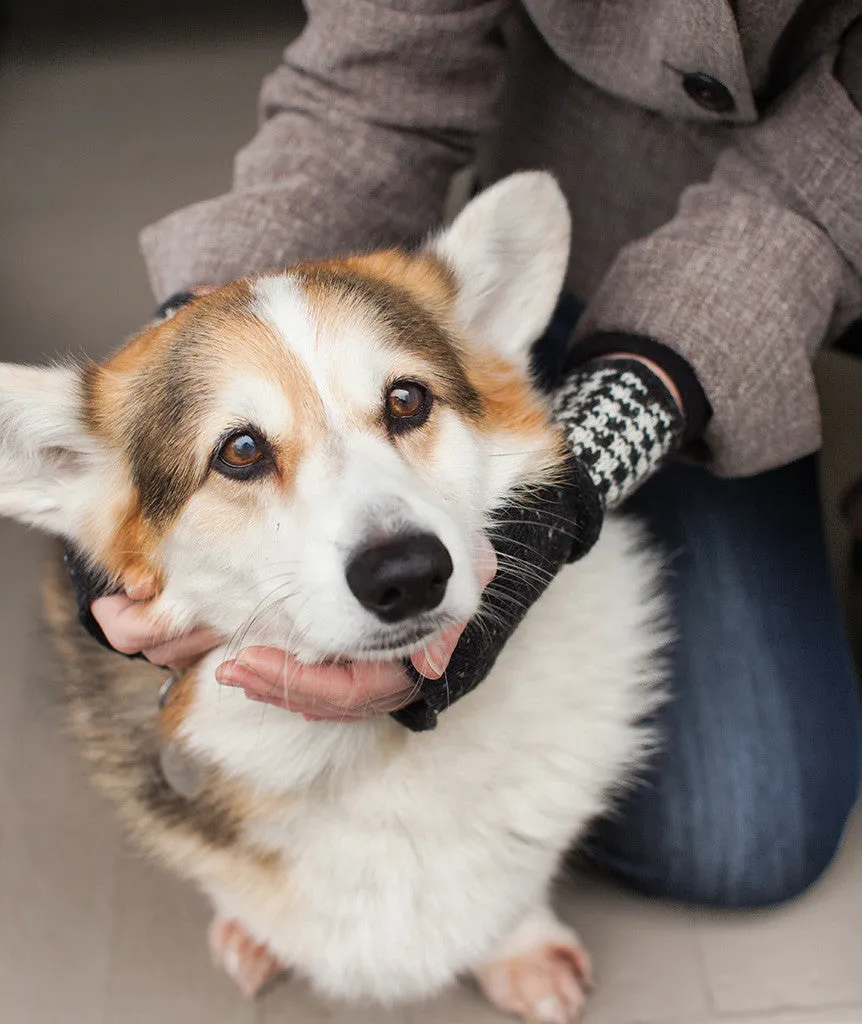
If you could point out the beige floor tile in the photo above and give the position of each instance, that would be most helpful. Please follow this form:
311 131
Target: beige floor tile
462 1004
805 954
19 551
58 848
834 1015
646 960
291 1000
160 965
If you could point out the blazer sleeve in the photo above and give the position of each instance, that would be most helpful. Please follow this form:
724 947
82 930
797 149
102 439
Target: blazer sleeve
374 108
760 265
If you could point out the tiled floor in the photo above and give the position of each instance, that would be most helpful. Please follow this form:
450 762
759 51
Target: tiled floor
91 148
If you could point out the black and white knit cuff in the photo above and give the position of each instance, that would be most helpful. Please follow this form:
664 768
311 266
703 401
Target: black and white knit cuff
621 421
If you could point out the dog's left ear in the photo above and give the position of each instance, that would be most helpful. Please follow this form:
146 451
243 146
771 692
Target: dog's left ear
508 250
45 453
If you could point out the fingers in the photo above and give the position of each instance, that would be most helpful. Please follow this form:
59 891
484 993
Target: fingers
127 625
183 650
486 561
333 692
343 692
431 661
141 588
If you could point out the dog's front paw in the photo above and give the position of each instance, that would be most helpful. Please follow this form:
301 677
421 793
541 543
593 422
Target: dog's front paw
542 973
251 965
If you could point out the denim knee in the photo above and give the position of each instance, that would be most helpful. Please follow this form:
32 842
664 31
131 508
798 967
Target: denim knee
734 875
749 851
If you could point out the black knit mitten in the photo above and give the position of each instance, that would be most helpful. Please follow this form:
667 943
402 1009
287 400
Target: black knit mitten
89 583
621 423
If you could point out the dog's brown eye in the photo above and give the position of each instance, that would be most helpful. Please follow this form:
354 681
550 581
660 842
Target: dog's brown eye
240 451
408 404
242 455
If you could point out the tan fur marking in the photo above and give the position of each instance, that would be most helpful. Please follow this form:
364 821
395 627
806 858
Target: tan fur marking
131 552
244 343
409 301
425 277
149 397
510 403
512 406
179 704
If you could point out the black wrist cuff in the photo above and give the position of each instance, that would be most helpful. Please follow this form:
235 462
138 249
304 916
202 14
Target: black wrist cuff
848 65
695 405
90 582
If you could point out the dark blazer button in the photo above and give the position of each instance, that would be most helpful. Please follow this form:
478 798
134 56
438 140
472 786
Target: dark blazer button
708 92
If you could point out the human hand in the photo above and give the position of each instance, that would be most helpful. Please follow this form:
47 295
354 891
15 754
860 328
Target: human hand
337 692
343 692
126 623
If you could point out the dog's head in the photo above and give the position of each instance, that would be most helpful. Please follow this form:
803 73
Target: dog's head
311 455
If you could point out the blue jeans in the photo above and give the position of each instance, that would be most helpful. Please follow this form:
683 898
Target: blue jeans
759 770
760 762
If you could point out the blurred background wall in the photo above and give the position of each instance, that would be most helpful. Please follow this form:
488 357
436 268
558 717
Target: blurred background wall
42 22
111 116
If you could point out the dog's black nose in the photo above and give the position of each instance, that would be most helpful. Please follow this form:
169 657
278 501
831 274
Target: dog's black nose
402 577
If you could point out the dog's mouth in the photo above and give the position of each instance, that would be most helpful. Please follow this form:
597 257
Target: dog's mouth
399 643
389 643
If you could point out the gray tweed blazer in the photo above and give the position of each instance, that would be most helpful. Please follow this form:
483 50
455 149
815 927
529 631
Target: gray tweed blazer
711 154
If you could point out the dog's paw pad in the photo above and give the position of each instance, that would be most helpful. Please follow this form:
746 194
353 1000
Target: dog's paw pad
547 985
251 965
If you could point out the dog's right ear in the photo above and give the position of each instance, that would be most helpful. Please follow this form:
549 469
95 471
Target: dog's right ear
508 250
46 456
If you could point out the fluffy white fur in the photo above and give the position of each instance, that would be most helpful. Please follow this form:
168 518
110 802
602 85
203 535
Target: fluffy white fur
406 859
399 878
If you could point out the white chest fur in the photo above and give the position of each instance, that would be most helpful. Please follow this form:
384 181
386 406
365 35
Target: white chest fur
406 857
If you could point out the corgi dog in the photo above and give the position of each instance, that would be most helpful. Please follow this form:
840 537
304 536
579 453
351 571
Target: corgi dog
247 454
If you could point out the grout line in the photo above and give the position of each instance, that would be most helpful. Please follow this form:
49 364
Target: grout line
850 1013
792 1014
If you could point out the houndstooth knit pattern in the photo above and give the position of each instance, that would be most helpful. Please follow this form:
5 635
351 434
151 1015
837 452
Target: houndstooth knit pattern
621 421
